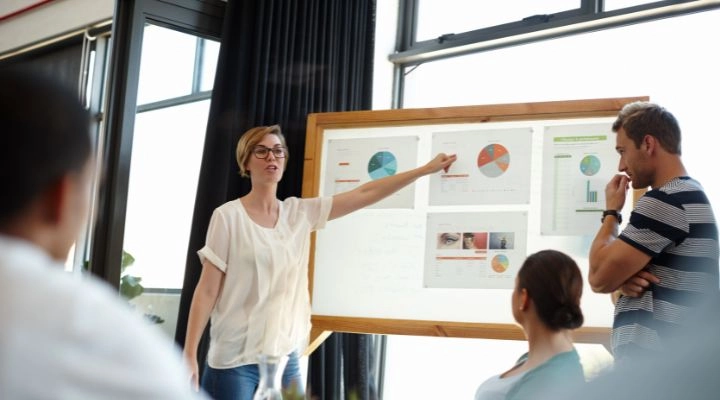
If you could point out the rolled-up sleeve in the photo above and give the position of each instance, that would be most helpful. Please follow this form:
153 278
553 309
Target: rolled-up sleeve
217 242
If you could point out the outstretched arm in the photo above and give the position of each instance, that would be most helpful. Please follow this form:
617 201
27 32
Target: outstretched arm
374 191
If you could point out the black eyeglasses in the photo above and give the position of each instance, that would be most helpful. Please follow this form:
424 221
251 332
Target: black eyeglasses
262 152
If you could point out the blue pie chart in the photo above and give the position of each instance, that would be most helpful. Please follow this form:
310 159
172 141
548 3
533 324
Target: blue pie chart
590 165
382 164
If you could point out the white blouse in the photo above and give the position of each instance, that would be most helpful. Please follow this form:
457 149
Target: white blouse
264 304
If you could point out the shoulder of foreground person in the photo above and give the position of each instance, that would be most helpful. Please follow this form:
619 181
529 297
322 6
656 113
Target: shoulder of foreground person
71 338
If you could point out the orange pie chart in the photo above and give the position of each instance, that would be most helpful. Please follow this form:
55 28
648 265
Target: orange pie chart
500 263
493 160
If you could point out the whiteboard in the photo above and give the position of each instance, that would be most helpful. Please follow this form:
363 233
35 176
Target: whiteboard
386 270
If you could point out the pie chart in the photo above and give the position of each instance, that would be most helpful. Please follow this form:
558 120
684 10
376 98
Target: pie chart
493 160
500 263
590 165
382 164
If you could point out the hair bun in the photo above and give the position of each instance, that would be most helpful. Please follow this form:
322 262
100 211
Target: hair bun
568 316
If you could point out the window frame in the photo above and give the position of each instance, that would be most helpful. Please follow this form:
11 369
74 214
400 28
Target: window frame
589 16
409 54
202 18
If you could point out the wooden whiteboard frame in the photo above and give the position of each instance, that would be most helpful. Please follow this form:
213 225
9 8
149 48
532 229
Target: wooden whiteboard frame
317 123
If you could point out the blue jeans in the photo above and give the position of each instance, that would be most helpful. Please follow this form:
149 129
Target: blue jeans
240 383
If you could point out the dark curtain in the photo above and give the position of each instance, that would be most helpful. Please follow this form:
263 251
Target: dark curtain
347 366
280 60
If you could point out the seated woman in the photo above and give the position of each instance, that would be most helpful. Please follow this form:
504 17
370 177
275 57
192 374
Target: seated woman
546 303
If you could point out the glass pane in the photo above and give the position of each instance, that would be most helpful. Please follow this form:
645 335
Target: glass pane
460 365
211 49
164 170
436 18
167 64
592 65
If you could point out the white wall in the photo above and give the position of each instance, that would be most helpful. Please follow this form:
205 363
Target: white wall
48 20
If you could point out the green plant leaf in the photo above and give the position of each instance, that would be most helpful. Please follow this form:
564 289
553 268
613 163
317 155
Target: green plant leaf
127 260
130 286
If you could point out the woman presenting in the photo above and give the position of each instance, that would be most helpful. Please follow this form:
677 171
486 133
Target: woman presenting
254 281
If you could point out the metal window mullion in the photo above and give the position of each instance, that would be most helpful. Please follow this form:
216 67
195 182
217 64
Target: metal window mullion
97 102
592 6
198 67
404 39
175 101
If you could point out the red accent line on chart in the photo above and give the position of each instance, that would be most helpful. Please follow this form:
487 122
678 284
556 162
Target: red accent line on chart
454 175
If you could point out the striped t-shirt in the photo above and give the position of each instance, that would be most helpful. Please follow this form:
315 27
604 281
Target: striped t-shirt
675 225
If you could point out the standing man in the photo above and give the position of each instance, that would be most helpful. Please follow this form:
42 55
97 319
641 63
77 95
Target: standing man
665 262
62 337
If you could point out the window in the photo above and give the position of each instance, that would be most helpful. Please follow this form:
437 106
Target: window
167 64
670 60
652 59
440 31
176 72
175 64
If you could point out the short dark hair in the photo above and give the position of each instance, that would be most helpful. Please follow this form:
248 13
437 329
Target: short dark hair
642 118
554 283
44 135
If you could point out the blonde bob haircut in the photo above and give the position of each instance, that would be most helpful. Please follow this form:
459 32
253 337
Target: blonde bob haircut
250 139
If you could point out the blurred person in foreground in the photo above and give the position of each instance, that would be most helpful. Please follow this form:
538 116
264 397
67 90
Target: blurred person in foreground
685 369
63 336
